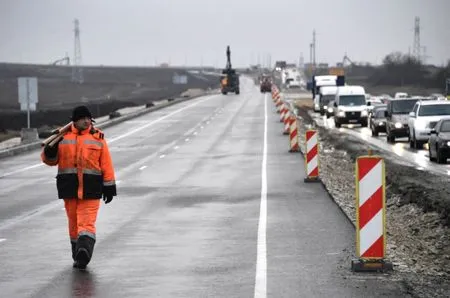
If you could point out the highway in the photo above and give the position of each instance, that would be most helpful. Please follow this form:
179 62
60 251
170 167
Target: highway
210 204
400 149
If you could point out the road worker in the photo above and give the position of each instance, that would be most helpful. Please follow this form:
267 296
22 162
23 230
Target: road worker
85 174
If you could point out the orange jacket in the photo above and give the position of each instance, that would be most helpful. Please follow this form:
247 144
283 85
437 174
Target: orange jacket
85 168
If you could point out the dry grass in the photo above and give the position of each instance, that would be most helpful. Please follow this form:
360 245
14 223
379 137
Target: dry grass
304 103
8 135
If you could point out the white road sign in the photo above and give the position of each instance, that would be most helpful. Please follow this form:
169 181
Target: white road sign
28 92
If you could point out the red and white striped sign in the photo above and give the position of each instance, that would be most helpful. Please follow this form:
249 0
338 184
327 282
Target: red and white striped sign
283 112
371 214
278 104
275 94
293 135
286 121
312 155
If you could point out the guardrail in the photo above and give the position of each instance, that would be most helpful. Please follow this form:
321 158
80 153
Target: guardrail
35 145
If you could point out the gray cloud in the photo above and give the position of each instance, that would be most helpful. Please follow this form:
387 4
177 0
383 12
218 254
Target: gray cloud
142 32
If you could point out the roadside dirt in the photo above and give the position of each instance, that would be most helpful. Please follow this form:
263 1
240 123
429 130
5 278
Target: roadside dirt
418 207
6 135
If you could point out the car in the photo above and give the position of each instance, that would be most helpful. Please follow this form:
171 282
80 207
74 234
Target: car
374 101
423 119
439 141
397 117
437 96
377 120
401 95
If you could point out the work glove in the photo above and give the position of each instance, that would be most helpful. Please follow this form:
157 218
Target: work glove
108 193
107 198
52 151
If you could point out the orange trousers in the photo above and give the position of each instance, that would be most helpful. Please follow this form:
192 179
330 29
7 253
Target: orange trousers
82 215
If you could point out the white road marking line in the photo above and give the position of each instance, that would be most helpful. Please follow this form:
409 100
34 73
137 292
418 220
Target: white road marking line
261 259
2 239
186 140
119 136
143 167
22 170
157 121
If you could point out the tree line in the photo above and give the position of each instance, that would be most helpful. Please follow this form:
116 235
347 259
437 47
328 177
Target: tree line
400 69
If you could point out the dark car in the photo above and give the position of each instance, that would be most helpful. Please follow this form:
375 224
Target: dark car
439 141
266 85
397 115
377 120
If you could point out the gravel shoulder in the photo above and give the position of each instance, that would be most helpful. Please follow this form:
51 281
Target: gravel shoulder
418 207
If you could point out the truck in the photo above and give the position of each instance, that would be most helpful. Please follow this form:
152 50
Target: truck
229 80
280 65
290 77
321 81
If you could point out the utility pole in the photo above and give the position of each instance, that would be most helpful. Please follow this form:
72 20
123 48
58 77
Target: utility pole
314 49
416 46
77 71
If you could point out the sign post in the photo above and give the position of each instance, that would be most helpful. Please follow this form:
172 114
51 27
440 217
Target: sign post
28 95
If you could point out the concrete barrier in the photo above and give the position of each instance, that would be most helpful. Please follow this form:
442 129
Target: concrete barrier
35 145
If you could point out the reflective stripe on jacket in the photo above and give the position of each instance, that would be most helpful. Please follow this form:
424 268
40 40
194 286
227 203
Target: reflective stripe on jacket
84 164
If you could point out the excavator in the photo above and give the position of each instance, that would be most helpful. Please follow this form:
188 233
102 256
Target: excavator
229 80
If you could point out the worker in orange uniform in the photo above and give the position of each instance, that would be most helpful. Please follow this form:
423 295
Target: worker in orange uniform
85 174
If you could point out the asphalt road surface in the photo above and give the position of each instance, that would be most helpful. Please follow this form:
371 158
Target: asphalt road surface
210 204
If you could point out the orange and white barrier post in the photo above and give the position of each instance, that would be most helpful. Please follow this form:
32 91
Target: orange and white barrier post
370 215
286 121
293 135
275 94
312 156
278 104
283 112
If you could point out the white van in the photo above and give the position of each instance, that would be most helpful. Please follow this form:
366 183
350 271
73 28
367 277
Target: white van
350 106
326 95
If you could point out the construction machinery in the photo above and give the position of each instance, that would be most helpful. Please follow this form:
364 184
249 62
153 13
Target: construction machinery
229 80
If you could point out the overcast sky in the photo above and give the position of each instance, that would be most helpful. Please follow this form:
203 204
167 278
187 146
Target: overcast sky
194 32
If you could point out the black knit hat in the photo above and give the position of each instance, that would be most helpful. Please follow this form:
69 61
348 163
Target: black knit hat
81 112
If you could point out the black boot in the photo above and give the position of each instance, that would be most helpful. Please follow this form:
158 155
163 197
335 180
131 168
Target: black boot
74 245
84 250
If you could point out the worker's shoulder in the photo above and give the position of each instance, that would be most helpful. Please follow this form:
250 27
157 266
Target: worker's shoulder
97 133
